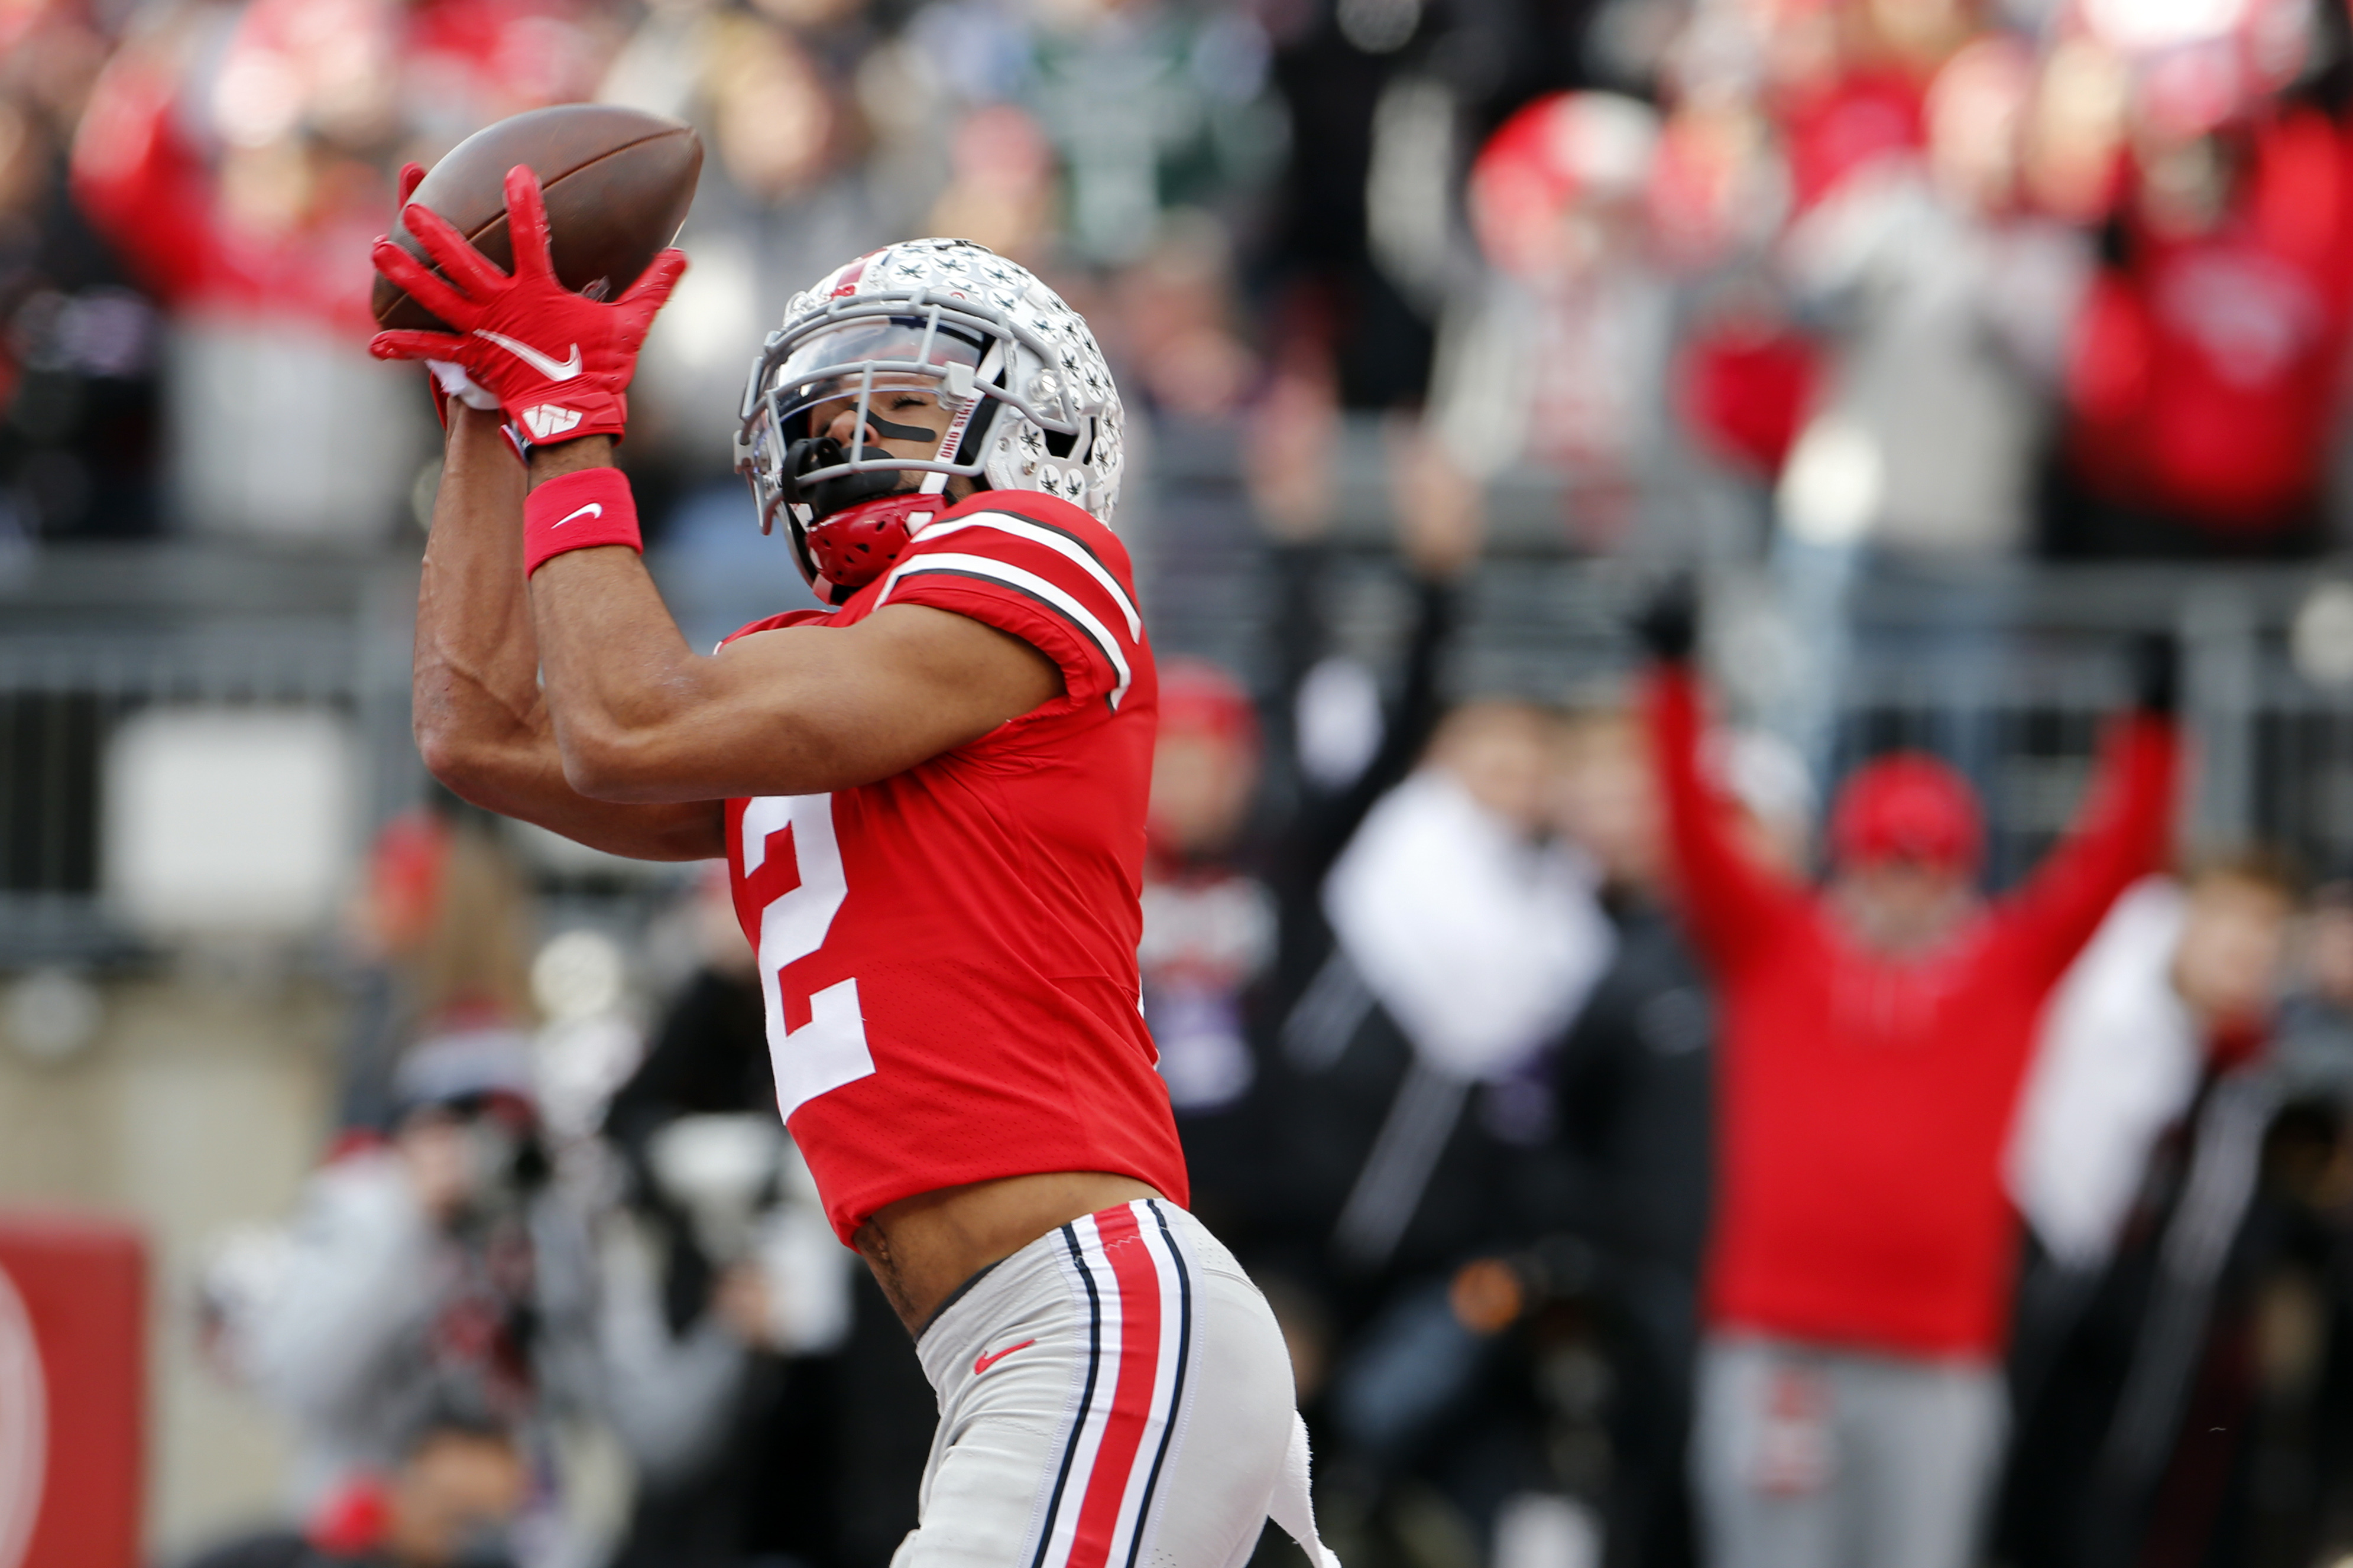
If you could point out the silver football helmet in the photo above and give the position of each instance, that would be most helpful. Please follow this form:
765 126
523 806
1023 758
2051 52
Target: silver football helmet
1031 401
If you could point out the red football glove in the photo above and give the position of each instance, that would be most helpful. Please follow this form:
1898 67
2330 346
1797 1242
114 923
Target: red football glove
448 377
558 362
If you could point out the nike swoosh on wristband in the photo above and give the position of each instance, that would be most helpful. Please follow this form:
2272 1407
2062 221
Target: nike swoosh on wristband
594 508
982 1364
551 368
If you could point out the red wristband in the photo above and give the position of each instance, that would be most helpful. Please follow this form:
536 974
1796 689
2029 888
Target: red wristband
578 511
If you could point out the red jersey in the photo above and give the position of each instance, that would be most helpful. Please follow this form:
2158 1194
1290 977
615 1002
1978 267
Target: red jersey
948 955
2203 380
1864 1102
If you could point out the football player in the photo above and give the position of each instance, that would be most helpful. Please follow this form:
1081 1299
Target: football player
930 799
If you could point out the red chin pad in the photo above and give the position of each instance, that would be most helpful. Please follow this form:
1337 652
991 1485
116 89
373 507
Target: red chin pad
857 545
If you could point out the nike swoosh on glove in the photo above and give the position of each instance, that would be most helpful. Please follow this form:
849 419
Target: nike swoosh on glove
559 363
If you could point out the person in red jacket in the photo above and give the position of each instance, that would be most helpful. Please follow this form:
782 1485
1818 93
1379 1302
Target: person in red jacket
1874 1038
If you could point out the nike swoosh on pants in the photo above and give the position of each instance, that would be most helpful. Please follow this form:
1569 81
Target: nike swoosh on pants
982 1364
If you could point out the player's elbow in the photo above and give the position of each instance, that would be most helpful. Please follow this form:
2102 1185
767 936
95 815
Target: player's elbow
459 761
611 764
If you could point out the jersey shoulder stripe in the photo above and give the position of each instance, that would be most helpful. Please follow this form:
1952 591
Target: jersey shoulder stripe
1063 542
1027 584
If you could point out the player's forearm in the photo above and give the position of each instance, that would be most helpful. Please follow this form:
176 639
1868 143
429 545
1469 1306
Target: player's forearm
624 693
474 684
480 722
636 715
640 717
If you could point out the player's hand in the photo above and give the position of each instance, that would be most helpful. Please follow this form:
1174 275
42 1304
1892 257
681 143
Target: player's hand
450 378
1669 624
2156 673
558 363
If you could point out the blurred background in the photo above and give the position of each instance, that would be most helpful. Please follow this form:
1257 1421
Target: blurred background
386 1183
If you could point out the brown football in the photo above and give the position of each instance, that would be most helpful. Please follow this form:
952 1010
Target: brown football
618 182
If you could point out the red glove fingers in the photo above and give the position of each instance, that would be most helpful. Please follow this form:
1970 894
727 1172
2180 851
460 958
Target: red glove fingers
652 290
467 281
405 344
412 174
527 224
558 363
632 313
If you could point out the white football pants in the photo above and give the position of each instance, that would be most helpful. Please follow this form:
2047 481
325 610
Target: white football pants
1116 1395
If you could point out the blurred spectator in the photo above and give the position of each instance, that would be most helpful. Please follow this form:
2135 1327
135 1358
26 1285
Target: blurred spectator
1940 298
2204 381
1556 361
1176 336
447 1503
1471 941
1942 302
436 1267
813 1437
793 185
1386 99
1479 943
1150 107
238 156
1208 932
1635 1080
78 345
2173 998
1873 1038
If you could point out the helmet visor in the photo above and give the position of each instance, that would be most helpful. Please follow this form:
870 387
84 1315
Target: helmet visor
838 370
862 367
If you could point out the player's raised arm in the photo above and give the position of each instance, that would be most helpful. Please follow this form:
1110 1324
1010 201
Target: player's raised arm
633 714
798 710
481 723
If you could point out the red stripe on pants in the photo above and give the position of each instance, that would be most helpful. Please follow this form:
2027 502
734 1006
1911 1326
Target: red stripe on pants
1131 1408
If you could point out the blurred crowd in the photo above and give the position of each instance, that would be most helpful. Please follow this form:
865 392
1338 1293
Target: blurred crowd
1655 1154
1865 284
1650 1162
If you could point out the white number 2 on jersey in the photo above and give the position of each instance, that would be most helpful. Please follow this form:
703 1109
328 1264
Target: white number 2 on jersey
829 1050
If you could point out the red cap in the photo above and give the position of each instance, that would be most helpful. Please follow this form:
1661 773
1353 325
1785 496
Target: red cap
1908 806
1200 697
1563 149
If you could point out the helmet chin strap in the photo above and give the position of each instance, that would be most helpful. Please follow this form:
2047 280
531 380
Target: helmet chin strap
936 482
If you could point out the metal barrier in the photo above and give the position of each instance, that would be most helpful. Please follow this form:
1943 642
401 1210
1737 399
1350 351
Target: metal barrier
90 634
2012 672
